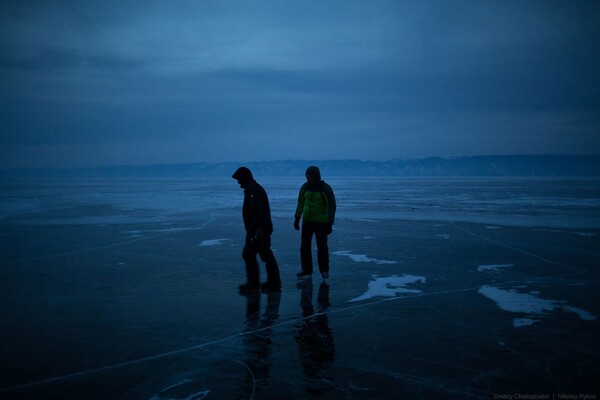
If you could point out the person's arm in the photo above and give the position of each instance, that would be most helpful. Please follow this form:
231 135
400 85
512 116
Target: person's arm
331 204
299 208
260 205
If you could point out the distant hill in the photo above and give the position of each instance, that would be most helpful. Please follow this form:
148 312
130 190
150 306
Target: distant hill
474 166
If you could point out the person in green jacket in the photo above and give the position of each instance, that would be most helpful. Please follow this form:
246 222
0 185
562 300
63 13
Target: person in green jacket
316 207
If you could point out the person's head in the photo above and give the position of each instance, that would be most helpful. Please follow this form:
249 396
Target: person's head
313 174
243 176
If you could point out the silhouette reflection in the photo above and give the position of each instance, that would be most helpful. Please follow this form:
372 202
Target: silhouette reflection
257 341
316 346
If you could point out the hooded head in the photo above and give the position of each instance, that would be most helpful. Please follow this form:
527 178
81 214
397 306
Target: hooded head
314 173
243 176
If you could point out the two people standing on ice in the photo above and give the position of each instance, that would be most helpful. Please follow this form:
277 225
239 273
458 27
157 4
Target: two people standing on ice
316 207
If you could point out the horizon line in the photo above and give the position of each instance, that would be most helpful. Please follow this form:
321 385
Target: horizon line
296 160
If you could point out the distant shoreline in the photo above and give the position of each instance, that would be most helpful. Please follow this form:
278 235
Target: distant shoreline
468 166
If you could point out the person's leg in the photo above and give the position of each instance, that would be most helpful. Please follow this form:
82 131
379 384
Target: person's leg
266 255
322 249
305 247
249 256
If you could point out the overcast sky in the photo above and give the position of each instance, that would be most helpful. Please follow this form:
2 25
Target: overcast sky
85 83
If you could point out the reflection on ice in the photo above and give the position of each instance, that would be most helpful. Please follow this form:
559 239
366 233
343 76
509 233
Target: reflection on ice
390 286
514 302
361 257
316 345
257 343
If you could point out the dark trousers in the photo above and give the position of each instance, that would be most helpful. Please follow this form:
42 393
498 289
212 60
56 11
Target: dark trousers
320 231
263 249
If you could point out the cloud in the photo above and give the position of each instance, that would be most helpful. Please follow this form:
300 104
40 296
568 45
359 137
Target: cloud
379 79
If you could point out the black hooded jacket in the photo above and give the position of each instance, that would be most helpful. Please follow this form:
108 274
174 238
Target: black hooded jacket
255 211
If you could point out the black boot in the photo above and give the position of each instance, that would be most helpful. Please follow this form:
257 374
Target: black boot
268 287
248 288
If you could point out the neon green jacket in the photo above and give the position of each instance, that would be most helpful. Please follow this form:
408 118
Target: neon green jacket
316 203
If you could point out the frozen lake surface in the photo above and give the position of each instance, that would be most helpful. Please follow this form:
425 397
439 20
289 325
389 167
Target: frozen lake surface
439 288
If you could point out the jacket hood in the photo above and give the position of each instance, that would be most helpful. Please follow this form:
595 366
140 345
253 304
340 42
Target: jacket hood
243 176
314 172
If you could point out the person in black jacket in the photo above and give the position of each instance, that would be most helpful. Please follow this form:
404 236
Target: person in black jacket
257 221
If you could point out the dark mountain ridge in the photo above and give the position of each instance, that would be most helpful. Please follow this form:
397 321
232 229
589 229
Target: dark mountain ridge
469 166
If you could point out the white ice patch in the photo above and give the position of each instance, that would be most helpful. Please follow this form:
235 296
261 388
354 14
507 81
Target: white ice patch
585 234
165 230
585 315
390 286
361 257
514 302
493 227
519 322
213 242
444 236
493 267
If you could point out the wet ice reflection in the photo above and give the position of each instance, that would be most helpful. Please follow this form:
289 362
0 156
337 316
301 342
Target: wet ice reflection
316 346
257 342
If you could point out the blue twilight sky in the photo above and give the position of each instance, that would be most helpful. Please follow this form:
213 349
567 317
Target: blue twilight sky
86 83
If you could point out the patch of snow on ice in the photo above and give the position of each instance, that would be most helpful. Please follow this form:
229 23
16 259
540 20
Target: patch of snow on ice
519 322
160 230
444 236
493 267
390 286
361 257
585 315
514 302
213 242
